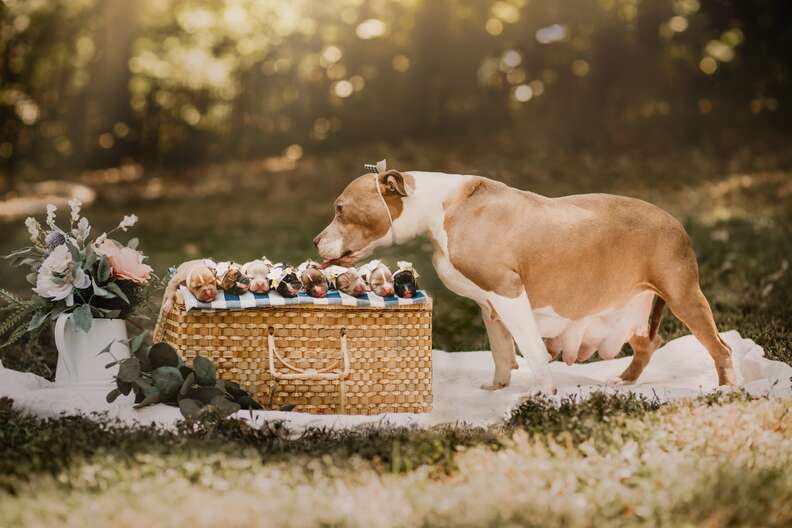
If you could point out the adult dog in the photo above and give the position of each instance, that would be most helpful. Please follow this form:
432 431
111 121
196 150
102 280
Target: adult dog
570 275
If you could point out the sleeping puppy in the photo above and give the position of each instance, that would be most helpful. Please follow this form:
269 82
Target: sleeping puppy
378 277
313 279
198 276
230 278
346 280
284 280
257 271
405 280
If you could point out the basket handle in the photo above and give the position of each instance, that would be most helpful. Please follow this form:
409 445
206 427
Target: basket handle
303 374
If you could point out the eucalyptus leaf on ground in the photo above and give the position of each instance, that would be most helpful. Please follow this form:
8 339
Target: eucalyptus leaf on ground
168 380
136 342
112 395
129 371
205 372
163 355
190 408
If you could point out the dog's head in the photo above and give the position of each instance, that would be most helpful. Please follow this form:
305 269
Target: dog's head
257 271
201 282
361 222
313 279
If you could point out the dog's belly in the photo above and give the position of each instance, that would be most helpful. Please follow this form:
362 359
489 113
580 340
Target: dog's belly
605 331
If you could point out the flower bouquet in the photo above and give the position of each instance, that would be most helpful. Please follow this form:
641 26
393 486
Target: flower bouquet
71 273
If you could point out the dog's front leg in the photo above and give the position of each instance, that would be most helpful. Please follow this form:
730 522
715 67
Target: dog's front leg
517 316
502 346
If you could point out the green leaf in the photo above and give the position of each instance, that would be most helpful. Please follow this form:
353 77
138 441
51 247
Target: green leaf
204 394
142 355
189 381
18 253
90 257
37 320
75 252
112 395
224 405
111 364
105 270
190 408
163 355
31 278
205 372
169 381
106 349
133 243
116 289
99 291
82 317
151 398
129 371
136 342
125 387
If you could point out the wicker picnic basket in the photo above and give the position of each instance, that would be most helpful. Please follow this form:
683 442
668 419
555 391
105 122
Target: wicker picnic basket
324 359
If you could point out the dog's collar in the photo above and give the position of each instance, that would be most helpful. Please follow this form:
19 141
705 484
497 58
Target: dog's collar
375 169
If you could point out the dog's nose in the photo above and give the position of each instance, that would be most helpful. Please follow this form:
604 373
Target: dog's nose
316 240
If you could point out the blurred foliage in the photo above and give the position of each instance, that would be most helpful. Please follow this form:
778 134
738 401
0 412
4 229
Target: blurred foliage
90 83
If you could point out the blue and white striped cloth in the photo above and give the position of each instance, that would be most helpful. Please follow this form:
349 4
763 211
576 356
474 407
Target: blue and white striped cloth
229 301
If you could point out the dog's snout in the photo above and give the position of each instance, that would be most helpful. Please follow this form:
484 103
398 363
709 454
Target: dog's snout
316 240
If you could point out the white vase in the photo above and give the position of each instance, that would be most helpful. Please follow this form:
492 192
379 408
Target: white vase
79 361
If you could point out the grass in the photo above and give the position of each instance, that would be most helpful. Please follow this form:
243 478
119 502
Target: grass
614 461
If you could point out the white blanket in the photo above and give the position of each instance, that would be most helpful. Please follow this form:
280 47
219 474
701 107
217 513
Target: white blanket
682 368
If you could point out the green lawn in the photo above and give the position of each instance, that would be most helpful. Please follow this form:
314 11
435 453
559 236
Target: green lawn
606 462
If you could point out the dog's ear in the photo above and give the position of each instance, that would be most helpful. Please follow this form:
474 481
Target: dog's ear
393 181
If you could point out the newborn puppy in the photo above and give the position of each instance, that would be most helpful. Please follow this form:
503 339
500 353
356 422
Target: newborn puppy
313 279
378 277
346 280
198 276
257 271
405 280
284 280
231 279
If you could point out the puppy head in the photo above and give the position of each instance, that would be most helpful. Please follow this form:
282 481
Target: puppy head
405 280
257 271
314 281
201 283
290 284
361 223
380 280
234 281
350 282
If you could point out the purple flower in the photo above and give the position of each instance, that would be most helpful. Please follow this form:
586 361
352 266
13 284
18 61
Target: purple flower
54 239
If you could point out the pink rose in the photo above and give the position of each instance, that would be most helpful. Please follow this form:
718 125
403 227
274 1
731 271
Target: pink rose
126 262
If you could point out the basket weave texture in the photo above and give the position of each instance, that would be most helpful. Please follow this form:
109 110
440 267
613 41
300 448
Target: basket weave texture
388 366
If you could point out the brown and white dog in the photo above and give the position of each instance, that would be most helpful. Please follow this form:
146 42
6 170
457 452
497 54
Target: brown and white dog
199 277
575 274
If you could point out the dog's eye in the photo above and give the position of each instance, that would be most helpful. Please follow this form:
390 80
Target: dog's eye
339 208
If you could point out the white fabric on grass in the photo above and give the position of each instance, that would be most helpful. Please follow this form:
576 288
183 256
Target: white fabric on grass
682 368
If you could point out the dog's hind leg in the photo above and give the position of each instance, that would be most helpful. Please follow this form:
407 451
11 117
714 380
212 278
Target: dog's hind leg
518 318
644 346
682 292
502 345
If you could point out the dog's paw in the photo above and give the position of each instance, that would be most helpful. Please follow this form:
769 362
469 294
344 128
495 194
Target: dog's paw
494 386
618 381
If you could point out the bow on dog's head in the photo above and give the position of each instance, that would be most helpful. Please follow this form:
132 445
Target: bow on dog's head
365 216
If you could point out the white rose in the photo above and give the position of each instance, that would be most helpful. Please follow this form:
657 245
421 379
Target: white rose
57 277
